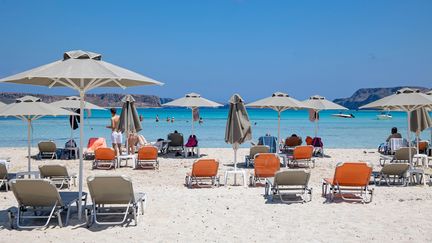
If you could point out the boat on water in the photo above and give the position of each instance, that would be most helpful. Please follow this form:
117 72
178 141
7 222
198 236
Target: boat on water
384 116
342 115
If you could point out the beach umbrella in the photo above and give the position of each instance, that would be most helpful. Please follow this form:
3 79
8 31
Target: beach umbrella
28 109
420 121
279 102
81 71
129 119
430 109
192 101
2 104
318 103
405 99
238 128
73 103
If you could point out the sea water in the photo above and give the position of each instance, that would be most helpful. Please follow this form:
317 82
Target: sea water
363 131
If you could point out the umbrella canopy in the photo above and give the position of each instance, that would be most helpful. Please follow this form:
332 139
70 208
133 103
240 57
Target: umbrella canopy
82 71
192 101
405 99
28 109
2 104
129 118
238 128
420 120
278 102
318 103
73 103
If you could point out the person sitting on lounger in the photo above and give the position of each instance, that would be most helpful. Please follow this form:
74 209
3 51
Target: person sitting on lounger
293 141
394 134
136 140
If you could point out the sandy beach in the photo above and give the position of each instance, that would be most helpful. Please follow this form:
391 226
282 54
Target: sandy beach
239 214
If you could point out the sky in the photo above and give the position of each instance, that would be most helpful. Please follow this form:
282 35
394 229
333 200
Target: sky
221 47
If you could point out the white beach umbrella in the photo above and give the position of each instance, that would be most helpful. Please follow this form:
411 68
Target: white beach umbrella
192 101
279 102
405 99
81 71
73 103
28 109
318 103
2 104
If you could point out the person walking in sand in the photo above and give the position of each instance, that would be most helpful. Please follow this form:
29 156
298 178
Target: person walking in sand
116 135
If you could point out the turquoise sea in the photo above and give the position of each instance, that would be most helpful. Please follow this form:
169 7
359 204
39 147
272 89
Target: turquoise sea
364 131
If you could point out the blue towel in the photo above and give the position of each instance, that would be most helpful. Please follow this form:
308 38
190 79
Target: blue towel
268 141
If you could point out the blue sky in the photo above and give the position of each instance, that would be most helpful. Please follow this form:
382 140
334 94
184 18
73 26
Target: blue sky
220 47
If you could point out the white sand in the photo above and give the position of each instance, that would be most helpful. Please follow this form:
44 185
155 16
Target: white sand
238 214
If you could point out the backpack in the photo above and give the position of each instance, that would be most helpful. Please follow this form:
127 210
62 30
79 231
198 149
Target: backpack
192 141
316 142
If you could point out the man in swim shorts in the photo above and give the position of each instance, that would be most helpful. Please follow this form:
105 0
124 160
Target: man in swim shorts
116 135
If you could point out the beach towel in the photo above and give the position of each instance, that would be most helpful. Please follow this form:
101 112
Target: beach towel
269 141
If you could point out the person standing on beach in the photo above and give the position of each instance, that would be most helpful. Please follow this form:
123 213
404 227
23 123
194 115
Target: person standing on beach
157 118
116 135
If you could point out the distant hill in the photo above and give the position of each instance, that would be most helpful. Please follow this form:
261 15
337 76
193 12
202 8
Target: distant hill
365 96
103 100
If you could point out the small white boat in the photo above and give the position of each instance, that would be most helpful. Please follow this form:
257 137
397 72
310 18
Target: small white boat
341 115
384 116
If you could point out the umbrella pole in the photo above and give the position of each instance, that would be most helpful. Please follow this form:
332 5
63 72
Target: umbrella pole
278 141
409 136
192 120
29 143
80 174
236 145
316 123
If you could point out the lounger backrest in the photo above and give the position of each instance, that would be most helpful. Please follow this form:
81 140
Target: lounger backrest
258 149
403 153
352 174
47 147
111 189
292 178
53 171
3 171
148 153
104 154
303 152
205 168
423 145
35 192
266 165
95 143
398 169
395 144
176 139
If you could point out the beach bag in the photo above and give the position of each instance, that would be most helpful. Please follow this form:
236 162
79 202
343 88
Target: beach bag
192 141
316 142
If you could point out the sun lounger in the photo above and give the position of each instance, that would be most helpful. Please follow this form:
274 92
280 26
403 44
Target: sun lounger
302 155
40 199
113 196
147 157
265 166
290 183
401 156
350 182
47 149
255 150
176 142
58 174
5 176
105 158
203 170
397 171
93 145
